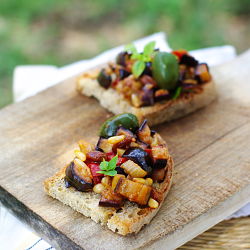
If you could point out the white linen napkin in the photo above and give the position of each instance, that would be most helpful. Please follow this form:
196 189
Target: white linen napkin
29 80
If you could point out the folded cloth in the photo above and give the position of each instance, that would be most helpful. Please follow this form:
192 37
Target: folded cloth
29 80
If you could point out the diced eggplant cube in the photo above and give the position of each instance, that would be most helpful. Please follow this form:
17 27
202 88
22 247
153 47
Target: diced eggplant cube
189 61
159 156
144 133
202 73
109 203
147 96
161 94
140 157
110 198
158 175
79 177
123 131
133 191
103 145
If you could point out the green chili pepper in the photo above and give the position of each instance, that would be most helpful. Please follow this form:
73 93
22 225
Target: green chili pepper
126 120
165 70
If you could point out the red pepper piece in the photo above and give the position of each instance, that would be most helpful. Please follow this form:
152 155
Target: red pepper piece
179 53
110 155
94 168
148 150
121 160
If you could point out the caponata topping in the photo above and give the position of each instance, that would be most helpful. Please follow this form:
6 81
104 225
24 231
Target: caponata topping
150 76
124 165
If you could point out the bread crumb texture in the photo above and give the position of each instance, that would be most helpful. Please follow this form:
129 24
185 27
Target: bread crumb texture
158 113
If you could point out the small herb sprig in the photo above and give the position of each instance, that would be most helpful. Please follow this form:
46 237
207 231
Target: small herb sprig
108 167
177 93
141 58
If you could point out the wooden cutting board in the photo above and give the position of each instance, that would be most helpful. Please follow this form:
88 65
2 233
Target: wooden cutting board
211 149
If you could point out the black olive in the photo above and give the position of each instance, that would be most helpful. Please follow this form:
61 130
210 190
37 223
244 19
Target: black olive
140 157
74 178
188 60
123 74
104 79
121 58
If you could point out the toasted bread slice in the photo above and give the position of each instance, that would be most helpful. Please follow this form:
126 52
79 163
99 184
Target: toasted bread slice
128 219
158 113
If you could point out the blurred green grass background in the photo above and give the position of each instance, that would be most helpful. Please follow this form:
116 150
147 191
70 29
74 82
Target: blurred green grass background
61 32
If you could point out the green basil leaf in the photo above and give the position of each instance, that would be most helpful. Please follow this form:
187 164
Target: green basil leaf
137 56
104 165
138 68
131 48
110 173
112 163
177 93
101 172
149 48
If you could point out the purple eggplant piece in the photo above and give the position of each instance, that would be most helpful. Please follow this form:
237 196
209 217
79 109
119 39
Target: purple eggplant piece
103 145
120 171
147 96
188 60
72 178
97 147
143 125
148 69
67 185
123 74
153 132
161 95
124 144
142 144
159 156
109 203
144 132
182 74
158 175
188 86
160 163
121 58
140 157
197 74
124 131
96 156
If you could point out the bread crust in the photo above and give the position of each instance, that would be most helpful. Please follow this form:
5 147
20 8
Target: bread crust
158 113
129 219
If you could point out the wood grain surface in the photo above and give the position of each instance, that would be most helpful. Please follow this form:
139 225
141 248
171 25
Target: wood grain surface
211 149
